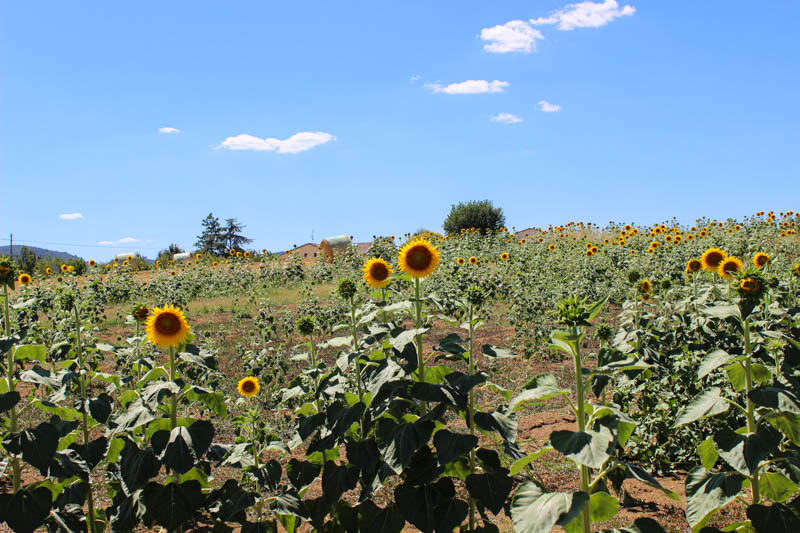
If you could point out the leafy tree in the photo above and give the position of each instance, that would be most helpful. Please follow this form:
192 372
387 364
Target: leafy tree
474 214
166 255
27 260
232 235
211 240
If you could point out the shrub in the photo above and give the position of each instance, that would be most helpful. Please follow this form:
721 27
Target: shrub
481 215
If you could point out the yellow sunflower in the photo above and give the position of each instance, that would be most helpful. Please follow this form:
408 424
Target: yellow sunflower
172 272
712 258
24 279
48 271
214 263
589 253
504 256
70 268
694 265
233 252
796 269
730 266
646 286
460 261
750 285
248 387
419 258
760 260
551 247
64 268
227 261
92 262
238 254
377 272
167 327
473 260
247 254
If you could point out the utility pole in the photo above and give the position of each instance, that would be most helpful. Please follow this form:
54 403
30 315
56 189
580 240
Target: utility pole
11 245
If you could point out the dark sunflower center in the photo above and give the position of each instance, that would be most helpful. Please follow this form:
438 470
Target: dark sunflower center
379 272
168 324
419 258
761 260
714 259
248 386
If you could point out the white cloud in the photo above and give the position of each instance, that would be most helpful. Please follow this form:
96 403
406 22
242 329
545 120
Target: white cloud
167 129
547 107
586 15
506 118
124 240
513 36
70 216
414 79
469 87
299 142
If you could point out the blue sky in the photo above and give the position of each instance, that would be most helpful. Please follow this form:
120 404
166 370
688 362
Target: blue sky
374 117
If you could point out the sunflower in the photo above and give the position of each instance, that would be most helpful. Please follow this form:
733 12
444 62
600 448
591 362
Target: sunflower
70 268
167 327
589 253
703 233
460 261
48 271
64 268
694 265
750 285
125 262
238 254
172 272
712 258
233 252
214 263
24 279
92 262
594 249
730 266
377 272
551 247
522 241
419 258
227 261
248 387
646 286
606 241
760 260
473 260
247 254
504 256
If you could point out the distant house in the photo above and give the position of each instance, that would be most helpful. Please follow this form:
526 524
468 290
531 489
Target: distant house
308 250
363 247
526 233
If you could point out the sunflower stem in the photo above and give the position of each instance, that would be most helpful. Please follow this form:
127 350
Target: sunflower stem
84 410
587 520
752 427
354 330
173 400
12 414
471 414
418 340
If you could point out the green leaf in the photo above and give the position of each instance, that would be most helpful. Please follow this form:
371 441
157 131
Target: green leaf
541 387
496 353
777 518
491 489
588 448
373 519
173 504
723 311
37 445
536 511
450 446
336 480
233 502
404 440
213 400
786 423
517 466
737 376
743 452
497 421
31 352
776 398
777 487
708 453
712 361
707 403
301 473
26 510
638 473
602 507
8 400
706 493
136 467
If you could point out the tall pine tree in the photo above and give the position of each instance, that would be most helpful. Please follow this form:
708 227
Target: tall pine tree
232 233
212 239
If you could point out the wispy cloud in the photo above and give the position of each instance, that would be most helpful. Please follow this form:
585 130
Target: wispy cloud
70 216
513 36
299 142
469 87
167 129
506 118
547 107
124 240
586 15
414 79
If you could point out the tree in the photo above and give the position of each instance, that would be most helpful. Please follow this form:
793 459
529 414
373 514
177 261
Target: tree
211 240
166 255
481 215
232 235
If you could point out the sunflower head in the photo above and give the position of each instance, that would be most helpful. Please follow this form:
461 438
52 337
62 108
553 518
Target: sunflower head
504 256
473 260
460 261
238 254
140 312
305 325
24 279
634 276
645 286
247 254
233 252
796 270
730 267
551 246
48 271
70 268
198 256
419 258
172 273
214 263
248 387
64 268
475 296
92 262
694 265
749 286
712 258
377 272
167 327
227 261
760 260
347 289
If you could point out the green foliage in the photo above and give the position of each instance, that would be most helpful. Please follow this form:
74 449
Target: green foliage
481 215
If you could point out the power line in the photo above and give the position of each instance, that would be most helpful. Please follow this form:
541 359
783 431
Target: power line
132 245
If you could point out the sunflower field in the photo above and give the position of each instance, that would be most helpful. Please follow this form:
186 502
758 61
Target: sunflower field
574 378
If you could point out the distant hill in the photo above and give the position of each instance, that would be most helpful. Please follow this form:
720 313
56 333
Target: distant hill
41 252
